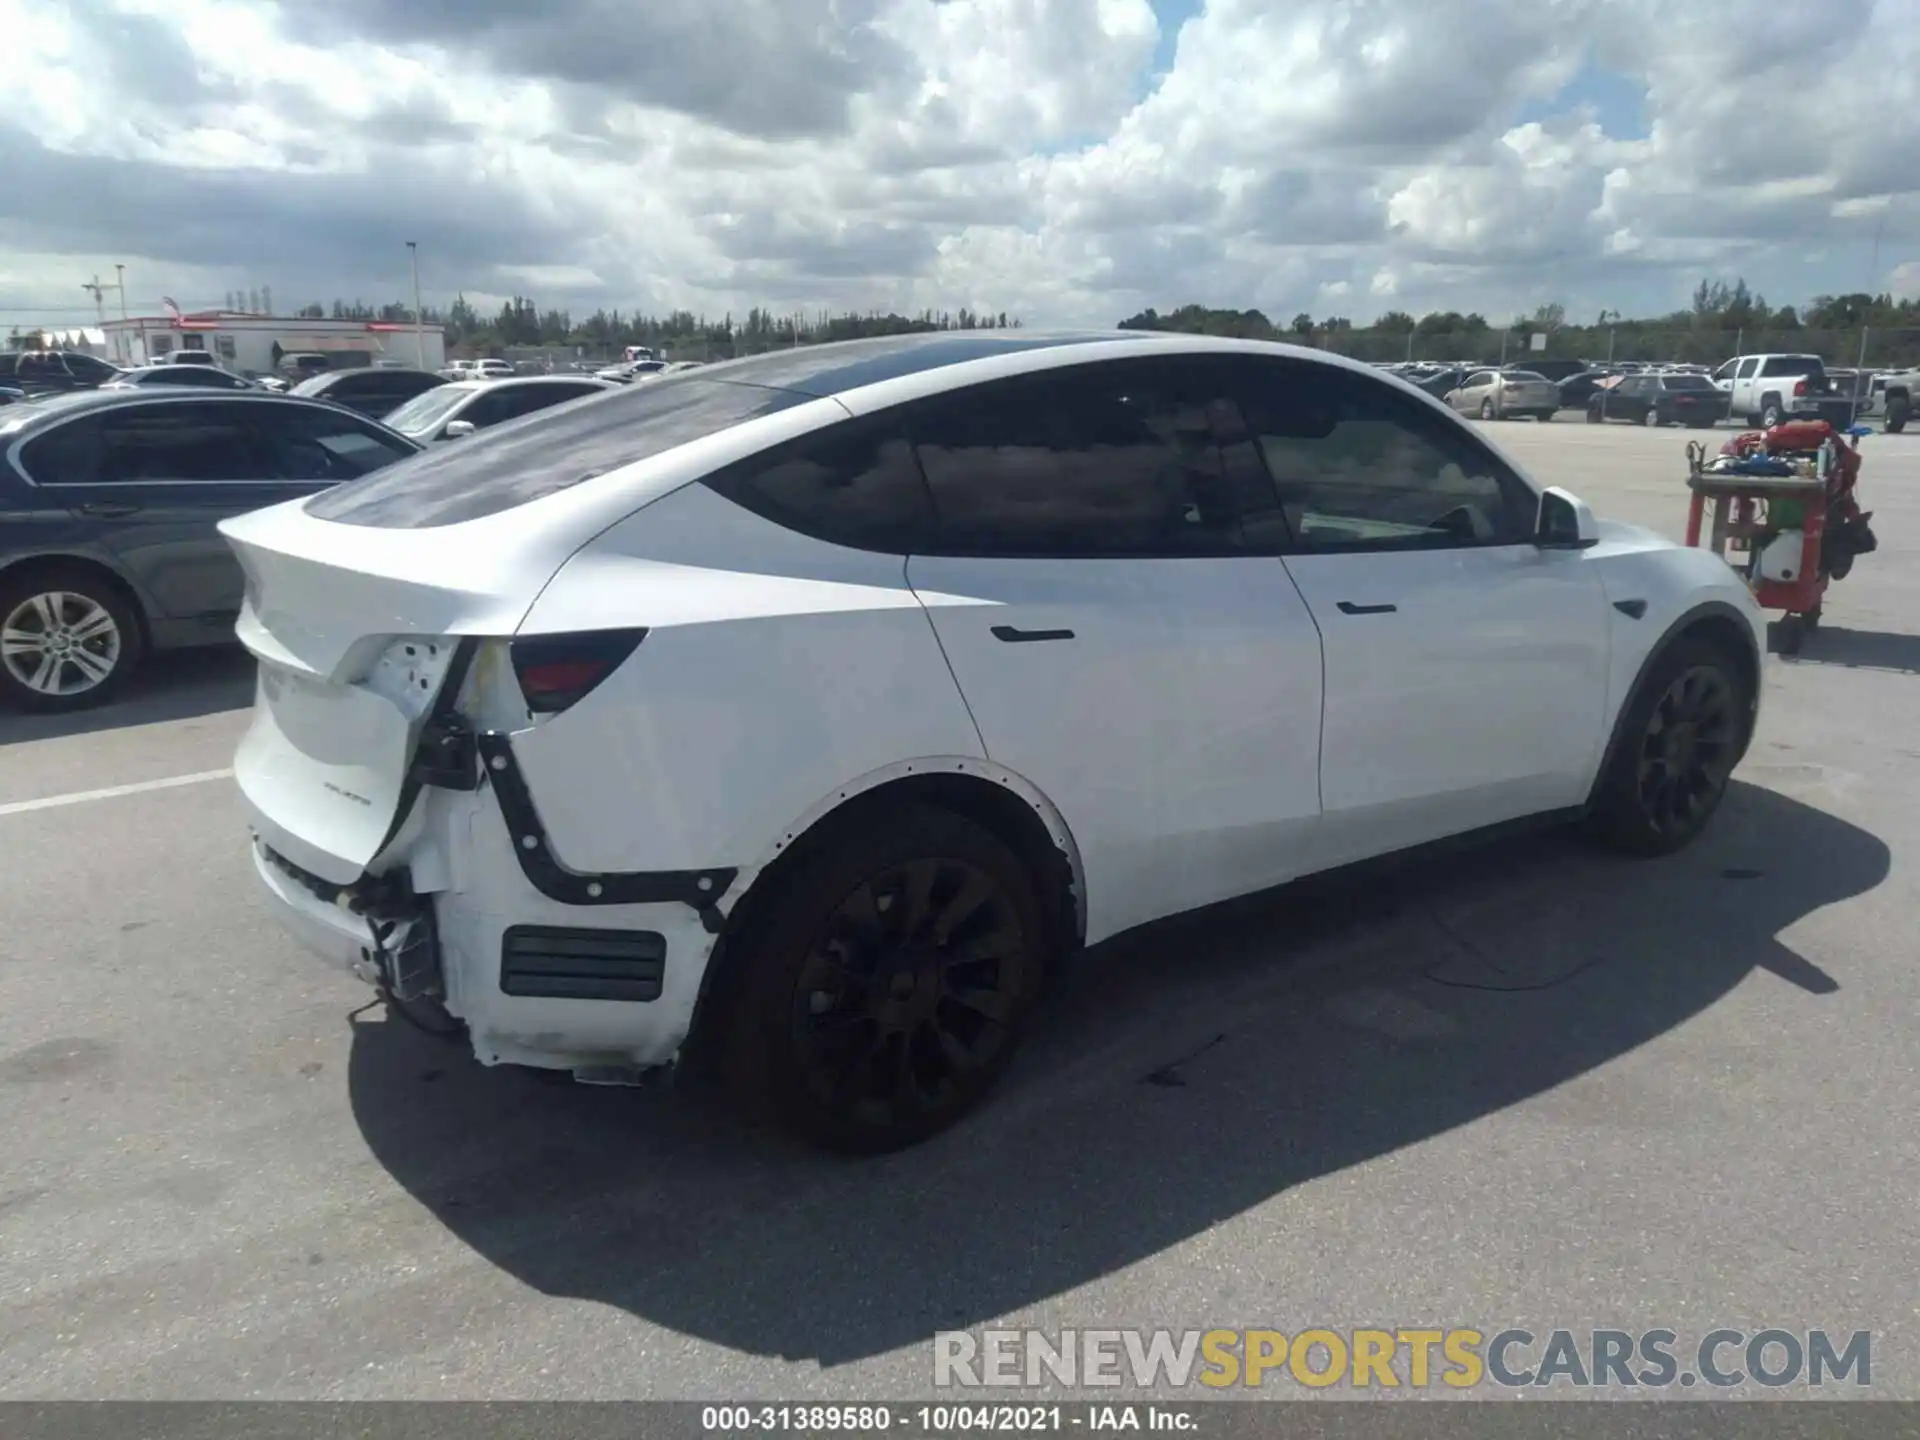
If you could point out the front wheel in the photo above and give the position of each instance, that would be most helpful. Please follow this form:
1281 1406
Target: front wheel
1651 419
1487 411
1679 741
67 641
884 988
1899 409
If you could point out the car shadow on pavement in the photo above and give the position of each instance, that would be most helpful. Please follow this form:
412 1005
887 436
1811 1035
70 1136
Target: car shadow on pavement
1861 649
174 685
1189 1072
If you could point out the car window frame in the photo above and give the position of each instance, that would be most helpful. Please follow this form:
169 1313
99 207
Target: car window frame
18 452
266 416
1232 541
1426 419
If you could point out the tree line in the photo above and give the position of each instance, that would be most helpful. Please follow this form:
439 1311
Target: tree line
1722 319
520 322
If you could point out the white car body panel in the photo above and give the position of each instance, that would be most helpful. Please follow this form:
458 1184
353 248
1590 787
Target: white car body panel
1179 751
775 668
1175 729
1479 699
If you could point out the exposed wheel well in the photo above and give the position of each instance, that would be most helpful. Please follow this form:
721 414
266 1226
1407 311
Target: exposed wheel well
1716 627
34 565
995 807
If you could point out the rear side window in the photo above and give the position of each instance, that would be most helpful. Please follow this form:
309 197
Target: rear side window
135 444
853 484
1125 458
310 444
514 464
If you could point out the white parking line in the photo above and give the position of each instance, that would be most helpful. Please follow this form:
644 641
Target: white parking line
112 792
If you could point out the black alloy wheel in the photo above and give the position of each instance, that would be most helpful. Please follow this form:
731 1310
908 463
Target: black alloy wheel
1683 733
885 979
1687 750
906 994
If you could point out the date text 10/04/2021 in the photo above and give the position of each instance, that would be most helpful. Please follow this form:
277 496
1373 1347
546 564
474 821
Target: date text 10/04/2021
947 1419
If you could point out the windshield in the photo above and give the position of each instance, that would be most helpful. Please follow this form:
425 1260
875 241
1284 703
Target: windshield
428 409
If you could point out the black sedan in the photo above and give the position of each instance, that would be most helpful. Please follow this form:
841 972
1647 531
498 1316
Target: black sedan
1690 400
1577 390
377 390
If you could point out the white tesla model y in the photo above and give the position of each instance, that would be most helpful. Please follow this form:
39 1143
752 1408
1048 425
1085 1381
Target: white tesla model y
810 706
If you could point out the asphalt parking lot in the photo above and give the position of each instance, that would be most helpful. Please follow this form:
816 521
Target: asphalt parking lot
1528 1085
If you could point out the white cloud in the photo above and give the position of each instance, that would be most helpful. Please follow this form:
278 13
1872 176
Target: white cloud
1004 154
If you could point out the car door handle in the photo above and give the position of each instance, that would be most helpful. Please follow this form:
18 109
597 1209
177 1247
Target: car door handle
108 509
1347 607
1014 636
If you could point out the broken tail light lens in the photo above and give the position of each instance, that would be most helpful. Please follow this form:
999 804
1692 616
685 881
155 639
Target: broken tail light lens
558 671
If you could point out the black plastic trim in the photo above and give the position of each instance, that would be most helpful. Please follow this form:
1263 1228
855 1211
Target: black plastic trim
1709 609
438 717
700 889
1013 635
553 962
1632 609
1347 607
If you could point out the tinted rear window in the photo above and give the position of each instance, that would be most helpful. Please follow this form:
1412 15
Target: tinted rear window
544 453
1793 365
1687 382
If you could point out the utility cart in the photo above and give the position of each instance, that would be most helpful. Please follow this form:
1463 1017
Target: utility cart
1784 501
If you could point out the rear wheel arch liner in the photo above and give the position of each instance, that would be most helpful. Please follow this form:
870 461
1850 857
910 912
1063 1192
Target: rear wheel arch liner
974 767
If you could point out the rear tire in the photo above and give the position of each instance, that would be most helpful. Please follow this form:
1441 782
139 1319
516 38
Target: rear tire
1899 409
1651 419
1770 415
1684 731
68 640
884 986
1594 417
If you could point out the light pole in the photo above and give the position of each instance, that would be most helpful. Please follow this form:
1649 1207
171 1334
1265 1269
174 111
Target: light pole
419 333
120 284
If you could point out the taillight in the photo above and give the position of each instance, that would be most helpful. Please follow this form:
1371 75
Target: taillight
557 671
1799 387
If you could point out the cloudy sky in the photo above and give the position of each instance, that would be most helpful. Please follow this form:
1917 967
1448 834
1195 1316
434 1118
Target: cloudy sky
1067 160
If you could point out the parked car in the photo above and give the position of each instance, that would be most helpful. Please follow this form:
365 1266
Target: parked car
108 507
199 377
491 369
376 391
1674 399
53 372
1763 390
456 409
1576 390
1894 392
1557 370
1504 394
191 356
807 708
628 371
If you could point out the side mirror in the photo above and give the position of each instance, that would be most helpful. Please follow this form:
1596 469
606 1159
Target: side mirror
457 430
1564 522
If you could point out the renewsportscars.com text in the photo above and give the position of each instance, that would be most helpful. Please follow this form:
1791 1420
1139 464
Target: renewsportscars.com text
1458 1358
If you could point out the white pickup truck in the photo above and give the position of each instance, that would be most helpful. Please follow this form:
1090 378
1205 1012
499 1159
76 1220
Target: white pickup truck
1763 390
1893 398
